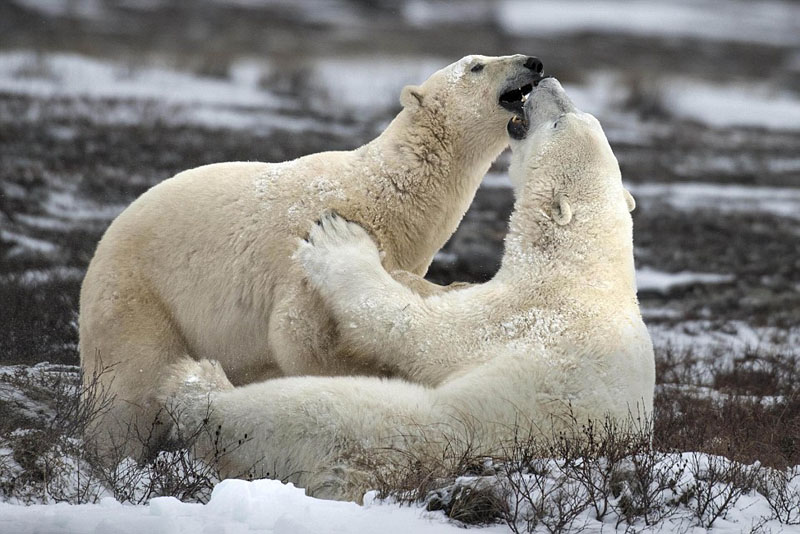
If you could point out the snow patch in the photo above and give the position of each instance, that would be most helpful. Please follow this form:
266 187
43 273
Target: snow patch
497 180
370 83
648 279
768 22
81 9
67 205
781 201
54 75
236 506
423 14
729 340
24 244
725 106
35 277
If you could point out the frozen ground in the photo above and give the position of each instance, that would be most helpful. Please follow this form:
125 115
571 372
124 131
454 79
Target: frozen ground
689 489
101 99
268 506
236 506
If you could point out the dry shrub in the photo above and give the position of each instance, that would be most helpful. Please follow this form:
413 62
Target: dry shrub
717 485
425 461
737 421
604 470
782 490
54 457
631 474
49 461
470 501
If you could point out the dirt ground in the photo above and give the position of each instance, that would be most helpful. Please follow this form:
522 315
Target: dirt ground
70 159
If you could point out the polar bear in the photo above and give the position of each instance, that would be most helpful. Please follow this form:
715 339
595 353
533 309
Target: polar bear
200 265
555 336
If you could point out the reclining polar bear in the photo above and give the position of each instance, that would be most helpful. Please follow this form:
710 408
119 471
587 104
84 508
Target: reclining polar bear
200 266
556 333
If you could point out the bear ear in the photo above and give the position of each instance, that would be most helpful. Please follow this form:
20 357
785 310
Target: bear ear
562 212
411 96
629 200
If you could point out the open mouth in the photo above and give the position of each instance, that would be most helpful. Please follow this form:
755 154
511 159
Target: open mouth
519 124
514 100
517 127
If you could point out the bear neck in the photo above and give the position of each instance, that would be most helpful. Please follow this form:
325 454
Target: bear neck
595 253
432 180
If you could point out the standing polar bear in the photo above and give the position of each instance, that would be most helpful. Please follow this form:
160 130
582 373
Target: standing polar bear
555 335
200 265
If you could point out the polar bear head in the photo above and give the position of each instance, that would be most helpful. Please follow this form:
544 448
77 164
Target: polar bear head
563 163
470 101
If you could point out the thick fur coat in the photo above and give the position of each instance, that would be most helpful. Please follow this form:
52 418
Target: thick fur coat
200 266
556 337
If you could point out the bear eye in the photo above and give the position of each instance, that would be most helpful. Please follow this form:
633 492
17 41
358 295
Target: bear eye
477 68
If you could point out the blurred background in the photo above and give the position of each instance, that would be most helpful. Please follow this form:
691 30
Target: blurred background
101 99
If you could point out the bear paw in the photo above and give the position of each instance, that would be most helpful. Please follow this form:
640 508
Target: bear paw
336 248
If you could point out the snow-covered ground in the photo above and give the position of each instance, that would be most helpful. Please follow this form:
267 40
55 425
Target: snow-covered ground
773 22
648 279
726 198
372 84
695 196
673 111
715 344
67 83
236 506
269 506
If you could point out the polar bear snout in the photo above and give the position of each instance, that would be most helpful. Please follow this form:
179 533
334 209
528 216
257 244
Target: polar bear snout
534 64
523 79
546 102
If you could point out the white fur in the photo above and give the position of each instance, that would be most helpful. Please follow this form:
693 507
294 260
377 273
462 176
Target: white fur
200 265
556 335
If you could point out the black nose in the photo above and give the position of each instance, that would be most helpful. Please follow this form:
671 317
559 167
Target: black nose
535 64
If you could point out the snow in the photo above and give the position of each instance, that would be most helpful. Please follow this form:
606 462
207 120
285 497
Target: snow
24 244
338 12
268 506
752 105
497 180
648 279
34 277
445 257
694 196
726 198
69 205
60 74
426 14
368 83
768 22
236 506
71 86
732 105
717 344
372 85
84 9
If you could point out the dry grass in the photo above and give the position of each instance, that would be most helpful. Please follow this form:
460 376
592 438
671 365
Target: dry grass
740 421
748 410
52 455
